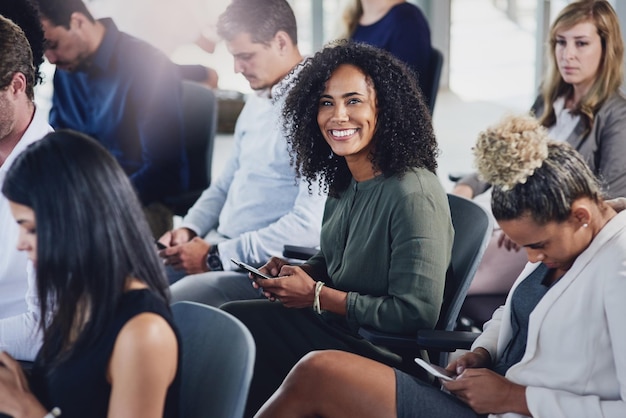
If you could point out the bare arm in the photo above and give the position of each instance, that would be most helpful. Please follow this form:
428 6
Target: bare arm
142 367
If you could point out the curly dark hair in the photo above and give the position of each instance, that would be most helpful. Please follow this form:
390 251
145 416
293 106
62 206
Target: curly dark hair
25 14
404 136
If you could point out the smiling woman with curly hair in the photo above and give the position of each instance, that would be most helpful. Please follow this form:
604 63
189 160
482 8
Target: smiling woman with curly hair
403 138
357 124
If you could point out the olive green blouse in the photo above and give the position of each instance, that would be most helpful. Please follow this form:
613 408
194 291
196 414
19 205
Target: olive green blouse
387 242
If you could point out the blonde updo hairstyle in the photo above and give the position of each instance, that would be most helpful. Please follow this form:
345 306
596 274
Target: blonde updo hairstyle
530 174
611 69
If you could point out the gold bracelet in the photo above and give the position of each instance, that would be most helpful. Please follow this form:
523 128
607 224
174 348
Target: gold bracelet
317 307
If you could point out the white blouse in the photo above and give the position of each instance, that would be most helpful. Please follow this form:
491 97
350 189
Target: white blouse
565 121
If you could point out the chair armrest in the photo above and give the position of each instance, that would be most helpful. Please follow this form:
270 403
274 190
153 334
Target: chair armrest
299 253
446 340
425 339
386 339
456 176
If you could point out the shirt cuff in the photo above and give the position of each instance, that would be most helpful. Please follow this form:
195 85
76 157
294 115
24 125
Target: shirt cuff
351 310
194 228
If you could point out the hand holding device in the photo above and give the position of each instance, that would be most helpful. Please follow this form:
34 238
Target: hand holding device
251 269
435 370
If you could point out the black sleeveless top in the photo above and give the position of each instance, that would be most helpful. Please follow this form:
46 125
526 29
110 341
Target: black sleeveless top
78 385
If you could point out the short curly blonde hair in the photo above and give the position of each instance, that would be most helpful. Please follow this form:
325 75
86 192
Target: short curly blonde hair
532 175
509 152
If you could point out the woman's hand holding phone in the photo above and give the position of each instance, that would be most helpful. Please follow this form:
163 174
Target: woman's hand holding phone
262 273
273 266
435 370
294 288
253 271
479 358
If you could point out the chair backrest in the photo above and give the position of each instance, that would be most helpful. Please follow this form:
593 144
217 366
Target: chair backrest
472 230
199 126
218 355
431 80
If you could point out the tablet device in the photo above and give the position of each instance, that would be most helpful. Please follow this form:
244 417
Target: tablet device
251 269
435 370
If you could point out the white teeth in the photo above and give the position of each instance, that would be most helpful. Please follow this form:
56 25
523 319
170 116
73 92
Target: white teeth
342 133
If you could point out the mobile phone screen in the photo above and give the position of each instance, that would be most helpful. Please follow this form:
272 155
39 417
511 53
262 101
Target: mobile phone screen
251 269
435 370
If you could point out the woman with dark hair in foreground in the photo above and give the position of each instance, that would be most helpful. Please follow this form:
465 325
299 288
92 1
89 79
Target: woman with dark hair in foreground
110 348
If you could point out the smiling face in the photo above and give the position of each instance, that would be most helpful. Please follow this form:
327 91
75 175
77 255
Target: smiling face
555 244
25 218
347 117
578 52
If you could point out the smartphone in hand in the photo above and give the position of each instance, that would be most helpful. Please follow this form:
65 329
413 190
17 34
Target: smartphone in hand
160 245
251 269
435 370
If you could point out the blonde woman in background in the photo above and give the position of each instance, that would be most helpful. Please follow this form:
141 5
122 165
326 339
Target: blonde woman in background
580 103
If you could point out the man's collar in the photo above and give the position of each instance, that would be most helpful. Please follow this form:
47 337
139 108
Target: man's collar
103 54
280 89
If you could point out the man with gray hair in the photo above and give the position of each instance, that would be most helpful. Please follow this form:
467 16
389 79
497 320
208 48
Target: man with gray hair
21 123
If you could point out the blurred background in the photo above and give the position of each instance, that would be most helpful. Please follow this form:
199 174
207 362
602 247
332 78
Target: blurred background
493 55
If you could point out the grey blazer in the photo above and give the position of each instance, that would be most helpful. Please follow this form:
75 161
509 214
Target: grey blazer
603 148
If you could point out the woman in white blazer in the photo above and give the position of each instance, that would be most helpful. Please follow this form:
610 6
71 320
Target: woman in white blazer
557 348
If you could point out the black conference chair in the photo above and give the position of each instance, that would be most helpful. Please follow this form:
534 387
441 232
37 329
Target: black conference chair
199 124
218 355
430 84
478 308
472 230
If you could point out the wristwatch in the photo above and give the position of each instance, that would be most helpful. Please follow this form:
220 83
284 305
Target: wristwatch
213 259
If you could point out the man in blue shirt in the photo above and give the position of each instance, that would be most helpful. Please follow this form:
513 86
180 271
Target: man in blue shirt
123 92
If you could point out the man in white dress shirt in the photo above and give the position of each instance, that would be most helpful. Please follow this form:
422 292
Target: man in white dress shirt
20 125
256 205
